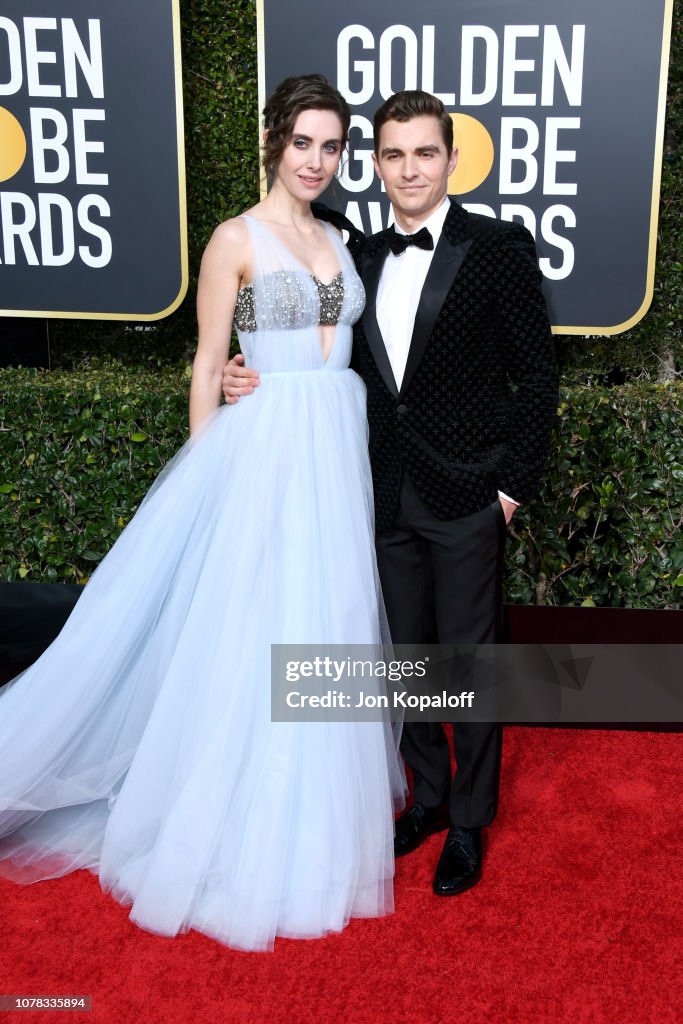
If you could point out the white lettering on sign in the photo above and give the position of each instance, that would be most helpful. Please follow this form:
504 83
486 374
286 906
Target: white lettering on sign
29 53
523 67
45 58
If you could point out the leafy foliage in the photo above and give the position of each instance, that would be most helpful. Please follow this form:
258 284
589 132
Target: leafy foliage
607 526
77 453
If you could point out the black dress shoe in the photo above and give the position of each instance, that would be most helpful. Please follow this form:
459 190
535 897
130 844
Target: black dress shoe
416 824
459 866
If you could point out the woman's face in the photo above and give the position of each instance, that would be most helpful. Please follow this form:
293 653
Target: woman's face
312 155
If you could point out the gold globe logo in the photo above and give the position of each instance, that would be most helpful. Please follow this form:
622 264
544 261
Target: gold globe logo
12 145
475 154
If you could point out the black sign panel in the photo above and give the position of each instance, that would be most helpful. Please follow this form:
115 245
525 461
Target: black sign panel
558 112
92 194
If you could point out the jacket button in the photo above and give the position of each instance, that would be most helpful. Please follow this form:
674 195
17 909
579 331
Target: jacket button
401 409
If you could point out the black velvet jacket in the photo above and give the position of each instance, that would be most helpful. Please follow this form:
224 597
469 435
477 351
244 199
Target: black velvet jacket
479 394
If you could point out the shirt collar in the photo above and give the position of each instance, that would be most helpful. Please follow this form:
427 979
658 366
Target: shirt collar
434 222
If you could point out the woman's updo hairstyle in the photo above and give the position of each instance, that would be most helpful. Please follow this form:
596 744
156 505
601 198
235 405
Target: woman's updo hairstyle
291 98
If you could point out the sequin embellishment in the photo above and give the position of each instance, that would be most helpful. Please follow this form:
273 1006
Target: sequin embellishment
289 301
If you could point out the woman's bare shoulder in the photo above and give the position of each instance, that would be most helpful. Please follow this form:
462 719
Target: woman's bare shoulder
229 248
230 233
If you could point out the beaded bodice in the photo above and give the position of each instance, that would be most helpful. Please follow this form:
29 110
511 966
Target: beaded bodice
291 301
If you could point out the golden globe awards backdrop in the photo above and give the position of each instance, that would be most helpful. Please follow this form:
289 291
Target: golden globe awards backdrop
558 111
92 191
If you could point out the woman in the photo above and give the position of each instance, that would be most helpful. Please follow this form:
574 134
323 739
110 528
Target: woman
140 745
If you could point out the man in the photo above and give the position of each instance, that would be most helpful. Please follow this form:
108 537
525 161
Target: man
455 349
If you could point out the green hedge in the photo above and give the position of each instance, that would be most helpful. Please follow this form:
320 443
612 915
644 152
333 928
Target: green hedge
78 451
607 528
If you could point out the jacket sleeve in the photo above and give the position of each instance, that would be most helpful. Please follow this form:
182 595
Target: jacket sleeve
528 354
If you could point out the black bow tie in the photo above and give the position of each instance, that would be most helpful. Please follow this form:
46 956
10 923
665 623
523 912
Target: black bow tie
399 243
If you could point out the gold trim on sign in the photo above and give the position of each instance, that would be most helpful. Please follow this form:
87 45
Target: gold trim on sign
182 212
656 190
261 64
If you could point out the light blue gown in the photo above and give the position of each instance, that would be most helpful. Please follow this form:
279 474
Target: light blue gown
140 745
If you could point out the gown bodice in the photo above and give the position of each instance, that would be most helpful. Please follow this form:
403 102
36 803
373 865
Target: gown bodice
278 316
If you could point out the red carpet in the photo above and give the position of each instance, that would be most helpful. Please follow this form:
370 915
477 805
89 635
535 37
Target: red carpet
577 919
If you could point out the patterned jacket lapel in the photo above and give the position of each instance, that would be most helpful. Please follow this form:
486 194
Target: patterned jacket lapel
448 257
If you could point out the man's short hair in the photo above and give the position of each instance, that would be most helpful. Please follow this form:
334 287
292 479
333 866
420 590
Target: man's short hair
410 103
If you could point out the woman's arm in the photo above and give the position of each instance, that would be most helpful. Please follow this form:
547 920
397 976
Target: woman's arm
222 272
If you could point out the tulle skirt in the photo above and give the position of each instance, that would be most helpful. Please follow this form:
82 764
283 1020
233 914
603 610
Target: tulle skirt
140 745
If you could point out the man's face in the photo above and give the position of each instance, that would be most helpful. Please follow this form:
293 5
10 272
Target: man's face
414 164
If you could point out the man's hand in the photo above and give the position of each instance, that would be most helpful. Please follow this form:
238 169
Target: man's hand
509 507
238 380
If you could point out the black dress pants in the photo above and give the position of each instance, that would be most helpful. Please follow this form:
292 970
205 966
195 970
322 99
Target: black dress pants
442 583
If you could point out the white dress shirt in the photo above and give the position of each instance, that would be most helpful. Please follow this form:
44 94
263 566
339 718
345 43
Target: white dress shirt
398 294
399 290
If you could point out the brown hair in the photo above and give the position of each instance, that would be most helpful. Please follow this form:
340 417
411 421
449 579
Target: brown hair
291 98
410 103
